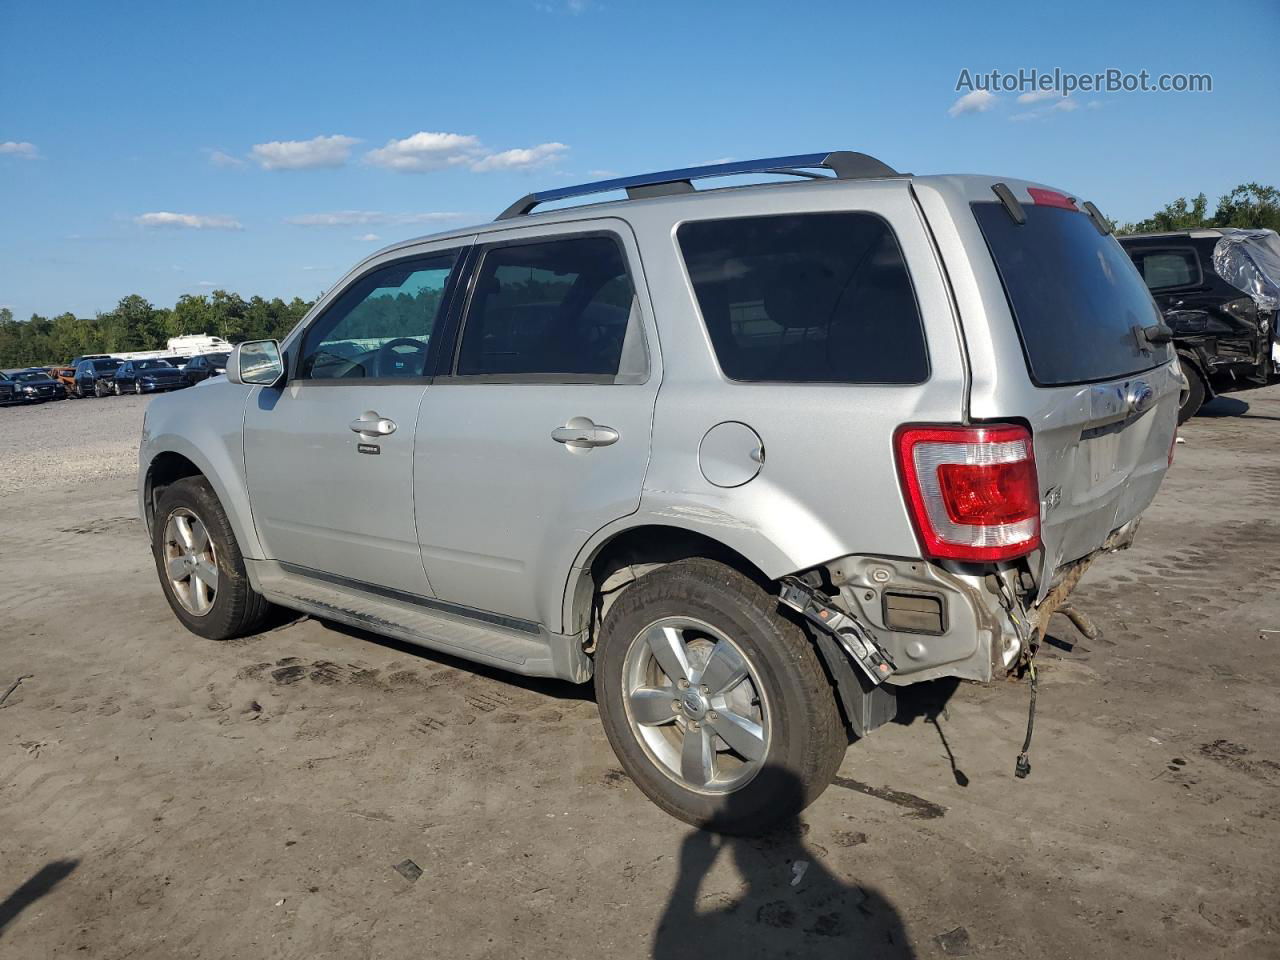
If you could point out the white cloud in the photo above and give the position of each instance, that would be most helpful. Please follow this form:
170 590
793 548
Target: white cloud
349 218
193 221
19 148
1094 104
221 159
426 151
976 101
1061 105
521 158
206 283
331 151
1035 96
368 238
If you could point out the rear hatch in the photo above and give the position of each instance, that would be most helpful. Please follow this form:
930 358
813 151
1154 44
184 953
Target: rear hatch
1100 399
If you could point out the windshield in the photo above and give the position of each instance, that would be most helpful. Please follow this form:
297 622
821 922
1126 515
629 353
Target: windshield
152 365
28 375
103 365
1075 295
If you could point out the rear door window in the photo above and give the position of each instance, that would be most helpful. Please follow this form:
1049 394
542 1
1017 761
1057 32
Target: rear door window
1163 269
806 298
560 309
1075 295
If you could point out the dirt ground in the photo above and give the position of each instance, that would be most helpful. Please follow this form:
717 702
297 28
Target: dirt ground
163 796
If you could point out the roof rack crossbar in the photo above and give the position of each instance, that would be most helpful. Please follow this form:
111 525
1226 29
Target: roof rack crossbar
844 164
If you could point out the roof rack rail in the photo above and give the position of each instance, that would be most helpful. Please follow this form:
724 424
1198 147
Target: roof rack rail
844 164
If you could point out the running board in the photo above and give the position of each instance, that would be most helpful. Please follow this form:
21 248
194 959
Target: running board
496 641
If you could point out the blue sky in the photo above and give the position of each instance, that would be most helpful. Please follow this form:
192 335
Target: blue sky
170 148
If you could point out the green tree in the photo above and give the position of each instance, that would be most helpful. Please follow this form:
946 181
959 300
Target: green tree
1249 205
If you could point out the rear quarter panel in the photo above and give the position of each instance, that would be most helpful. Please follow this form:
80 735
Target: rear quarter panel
829 485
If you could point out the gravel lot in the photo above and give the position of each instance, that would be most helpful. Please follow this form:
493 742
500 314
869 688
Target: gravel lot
165 796
70 441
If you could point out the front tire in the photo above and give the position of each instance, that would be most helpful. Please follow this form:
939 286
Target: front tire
749 734
200 565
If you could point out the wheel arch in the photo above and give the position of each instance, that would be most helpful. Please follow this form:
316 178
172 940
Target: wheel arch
174 458
619 555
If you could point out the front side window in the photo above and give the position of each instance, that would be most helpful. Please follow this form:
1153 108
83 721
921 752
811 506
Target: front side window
806 298
381 326
153 365
1162 269
561 308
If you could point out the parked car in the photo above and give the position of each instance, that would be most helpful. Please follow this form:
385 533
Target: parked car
205 365
754 458
1219 291
95 377
147 376
34 385
8 389
65 375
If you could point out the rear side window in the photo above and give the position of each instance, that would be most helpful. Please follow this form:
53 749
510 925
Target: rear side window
1162 269
806 298
552 308
1075 295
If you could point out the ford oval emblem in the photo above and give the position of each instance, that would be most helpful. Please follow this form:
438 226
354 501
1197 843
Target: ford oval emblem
1141 397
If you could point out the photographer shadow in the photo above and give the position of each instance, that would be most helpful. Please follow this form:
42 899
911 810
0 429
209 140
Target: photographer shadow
792 905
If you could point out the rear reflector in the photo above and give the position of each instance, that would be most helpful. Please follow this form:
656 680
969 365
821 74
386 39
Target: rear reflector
1051 198
972 491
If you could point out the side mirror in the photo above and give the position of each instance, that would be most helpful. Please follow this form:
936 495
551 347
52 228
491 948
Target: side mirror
256 362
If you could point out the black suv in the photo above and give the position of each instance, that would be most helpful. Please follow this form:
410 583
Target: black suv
1219 290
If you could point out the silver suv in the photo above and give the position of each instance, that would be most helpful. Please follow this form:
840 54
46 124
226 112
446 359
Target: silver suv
754 458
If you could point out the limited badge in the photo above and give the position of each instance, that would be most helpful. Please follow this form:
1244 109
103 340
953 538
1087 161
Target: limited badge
370 448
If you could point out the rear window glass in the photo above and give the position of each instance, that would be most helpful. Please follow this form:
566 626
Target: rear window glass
806 298
1075 295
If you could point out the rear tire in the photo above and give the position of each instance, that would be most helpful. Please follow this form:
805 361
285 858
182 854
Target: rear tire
787 699
137 387
1192 398
115 388
235 609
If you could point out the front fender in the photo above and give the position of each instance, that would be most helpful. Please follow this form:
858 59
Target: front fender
208 431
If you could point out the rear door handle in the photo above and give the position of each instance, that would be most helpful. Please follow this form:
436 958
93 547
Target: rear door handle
373 424
580 433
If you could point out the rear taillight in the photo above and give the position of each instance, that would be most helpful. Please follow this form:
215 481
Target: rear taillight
972 491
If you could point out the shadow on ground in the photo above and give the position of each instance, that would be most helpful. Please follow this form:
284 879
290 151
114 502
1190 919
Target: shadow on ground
784 901
1220 407
42 883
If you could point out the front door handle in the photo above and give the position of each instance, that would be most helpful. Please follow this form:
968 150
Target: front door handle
373 424
580 433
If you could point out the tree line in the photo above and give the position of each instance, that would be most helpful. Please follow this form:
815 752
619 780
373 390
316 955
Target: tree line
135 324
1250 205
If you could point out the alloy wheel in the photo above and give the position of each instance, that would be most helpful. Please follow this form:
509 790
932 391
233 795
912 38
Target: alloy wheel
696 706
190 562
